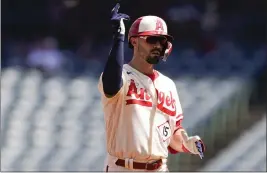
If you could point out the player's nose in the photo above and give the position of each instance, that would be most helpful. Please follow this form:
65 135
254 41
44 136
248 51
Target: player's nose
158 45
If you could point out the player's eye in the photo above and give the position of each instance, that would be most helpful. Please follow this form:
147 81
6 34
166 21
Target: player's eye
155 39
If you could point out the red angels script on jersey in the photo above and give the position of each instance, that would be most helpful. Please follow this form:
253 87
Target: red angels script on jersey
169 102
166 102
142 98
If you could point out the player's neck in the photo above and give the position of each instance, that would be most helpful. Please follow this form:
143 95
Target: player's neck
141 66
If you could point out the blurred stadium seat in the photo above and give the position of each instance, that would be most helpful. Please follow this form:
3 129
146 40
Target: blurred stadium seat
247 153
56 123
51 116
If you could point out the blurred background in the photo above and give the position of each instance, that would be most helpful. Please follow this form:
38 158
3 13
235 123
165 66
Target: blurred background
53 52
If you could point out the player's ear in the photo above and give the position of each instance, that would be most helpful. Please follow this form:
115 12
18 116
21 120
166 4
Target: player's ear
134 41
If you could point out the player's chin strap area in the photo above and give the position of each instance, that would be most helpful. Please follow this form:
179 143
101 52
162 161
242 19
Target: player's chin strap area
167 51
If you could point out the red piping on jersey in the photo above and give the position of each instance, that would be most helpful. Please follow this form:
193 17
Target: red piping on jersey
153 76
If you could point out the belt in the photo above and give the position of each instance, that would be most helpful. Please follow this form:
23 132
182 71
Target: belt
145 166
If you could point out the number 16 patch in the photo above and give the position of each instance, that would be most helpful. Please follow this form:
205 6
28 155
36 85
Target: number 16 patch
165 131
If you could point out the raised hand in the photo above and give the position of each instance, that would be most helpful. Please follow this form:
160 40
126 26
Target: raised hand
117 20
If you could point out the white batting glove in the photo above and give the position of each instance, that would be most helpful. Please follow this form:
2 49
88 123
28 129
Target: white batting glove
122 27
193 144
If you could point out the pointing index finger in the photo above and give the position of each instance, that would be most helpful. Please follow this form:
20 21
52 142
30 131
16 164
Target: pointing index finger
115 9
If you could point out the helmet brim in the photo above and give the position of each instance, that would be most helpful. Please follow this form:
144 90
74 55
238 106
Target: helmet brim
169 37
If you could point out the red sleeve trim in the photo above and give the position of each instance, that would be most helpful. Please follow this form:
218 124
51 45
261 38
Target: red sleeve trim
178 123
172 151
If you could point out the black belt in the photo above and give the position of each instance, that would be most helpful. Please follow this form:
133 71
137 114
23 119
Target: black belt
145 166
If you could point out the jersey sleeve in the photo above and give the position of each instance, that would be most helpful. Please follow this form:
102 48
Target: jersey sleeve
178 118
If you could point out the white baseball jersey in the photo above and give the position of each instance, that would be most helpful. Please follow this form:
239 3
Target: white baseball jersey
142 116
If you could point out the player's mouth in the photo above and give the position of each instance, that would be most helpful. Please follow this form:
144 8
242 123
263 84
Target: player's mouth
156 52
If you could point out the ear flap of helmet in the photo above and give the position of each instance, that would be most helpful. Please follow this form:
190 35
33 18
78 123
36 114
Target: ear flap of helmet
167 51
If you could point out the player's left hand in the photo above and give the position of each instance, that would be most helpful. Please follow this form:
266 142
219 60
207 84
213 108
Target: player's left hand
117 20
193 144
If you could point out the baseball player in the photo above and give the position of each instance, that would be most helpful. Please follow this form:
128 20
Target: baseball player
143 114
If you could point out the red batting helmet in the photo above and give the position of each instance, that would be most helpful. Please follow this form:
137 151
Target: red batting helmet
151 26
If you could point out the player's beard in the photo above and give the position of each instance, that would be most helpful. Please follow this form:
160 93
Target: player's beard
152 60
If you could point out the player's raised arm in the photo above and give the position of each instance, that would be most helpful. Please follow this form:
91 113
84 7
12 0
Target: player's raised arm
112 75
